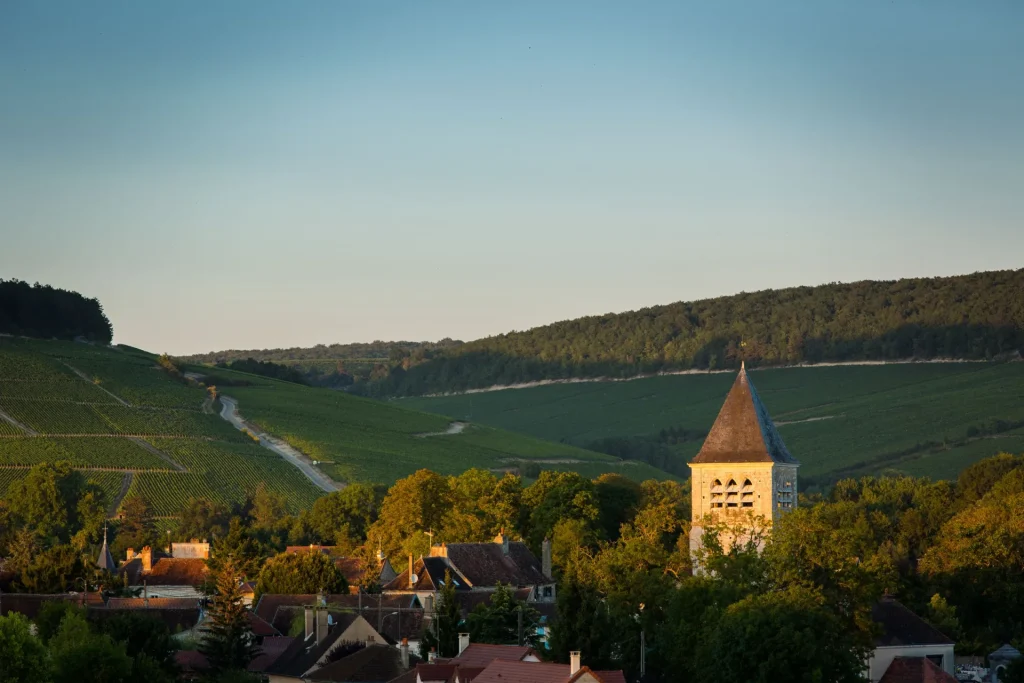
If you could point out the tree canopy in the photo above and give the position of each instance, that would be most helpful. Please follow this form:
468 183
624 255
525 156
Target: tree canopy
47 312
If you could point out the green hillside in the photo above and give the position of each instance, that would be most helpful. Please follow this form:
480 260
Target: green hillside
358 439
129 425
924 419
978 316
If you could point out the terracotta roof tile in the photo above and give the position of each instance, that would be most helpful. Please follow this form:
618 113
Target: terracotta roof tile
743 430
500 671
180 571
915 670
482 654
153 603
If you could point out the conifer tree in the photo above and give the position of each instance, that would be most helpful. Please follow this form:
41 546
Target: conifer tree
442 631
229 642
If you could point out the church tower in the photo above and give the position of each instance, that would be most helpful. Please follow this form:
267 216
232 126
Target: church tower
743 469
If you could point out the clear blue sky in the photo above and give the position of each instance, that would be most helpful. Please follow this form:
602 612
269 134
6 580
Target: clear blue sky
259 174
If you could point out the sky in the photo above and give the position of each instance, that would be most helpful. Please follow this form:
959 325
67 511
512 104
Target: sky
238 174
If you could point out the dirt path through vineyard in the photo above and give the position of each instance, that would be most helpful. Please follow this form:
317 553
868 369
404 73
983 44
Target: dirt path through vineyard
229 411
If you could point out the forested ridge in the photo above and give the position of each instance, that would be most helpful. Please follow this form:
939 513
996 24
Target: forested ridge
978 316
47 312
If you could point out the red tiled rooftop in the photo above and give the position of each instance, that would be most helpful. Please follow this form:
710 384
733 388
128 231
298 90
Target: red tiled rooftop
482 654
915 670
153 603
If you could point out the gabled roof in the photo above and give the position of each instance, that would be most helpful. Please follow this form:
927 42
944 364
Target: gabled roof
29 604
302 654
430 572
500 671
486 565
743 430
900 626
372 663
915 670
482 654
280 609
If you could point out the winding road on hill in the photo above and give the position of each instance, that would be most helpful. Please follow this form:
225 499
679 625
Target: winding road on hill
229 411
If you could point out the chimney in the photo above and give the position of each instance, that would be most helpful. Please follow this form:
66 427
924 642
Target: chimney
130 554
412 577
463 642
405 653
321 624
310 621
574 662
545 555
432 655
504 543
147 559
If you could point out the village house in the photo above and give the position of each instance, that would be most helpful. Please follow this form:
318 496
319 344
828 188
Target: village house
338 648
480 663
905 639
159 575
477 568
394 617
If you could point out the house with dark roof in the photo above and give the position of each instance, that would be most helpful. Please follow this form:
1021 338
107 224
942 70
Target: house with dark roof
1000 659
744 476
477 568
395 617
903 635
342 648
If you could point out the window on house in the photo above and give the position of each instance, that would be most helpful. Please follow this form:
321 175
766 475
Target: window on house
547 591
936 660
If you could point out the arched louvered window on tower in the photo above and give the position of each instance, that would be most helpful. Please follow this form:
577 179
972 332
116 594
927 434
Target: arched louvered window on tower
717 494
747 494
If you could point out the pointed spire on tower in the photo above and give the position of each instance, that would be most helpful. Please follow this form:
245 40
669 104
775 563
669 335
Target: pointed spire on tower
743 430
105 560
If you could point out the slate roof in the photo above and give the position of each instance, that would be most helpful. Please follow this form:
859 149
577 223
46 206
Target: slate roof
430 572
900 626
743 430
915 670
374 663
271 648
106 560
302 654
485 564
280 609
260 627
1006 651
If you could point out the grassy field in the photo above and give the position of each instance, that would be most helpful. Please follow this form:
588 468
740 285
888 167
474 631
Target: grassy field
114 413
924 419
357 439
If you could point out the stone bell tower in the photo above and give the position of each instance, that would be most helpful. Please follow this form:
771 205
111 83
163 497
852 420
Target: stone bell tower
743 471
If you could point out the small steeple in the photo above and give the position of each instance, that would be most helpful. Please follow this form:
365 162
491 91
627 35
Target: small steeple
105 560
